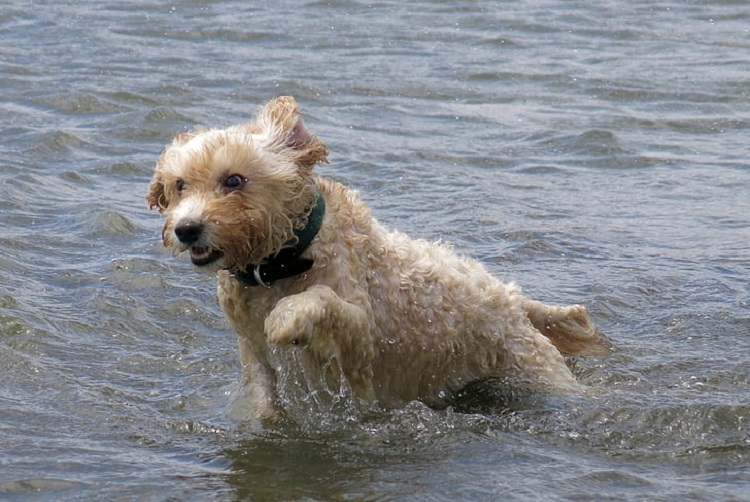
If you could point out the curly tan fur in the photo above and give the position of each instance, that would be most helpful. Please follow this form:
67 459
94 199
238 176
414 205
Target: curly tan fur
398 319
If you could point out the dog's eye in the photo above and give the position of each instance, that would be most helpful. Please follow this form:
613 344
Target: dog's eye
180 185
234 182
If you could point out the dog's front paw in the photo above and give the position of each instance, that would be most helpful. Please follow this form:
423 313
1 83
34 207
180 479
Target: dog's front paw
294 319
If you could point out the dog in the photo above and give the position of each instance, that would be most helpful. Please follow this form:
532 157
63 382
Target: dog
302 262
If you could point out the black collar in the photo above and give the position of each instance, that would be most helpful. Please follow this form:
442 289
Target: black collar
288 262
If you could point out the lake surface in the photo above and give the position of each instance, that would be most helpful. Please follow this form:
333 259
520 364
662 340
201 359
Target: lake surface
594 152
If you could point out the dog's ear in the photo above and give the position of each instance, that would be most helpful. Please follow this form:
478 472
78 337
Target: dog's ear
156 197
279 127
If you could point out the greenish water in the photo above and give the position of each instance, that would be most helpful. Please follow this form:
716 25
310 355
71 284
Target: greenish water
594 152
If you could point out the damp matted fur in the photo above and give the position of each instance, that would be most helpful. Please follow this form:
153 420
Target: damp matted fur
398 319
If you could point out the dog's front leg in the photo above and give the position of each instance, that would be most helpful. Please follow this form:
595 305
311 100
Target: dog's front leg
258 399
332 327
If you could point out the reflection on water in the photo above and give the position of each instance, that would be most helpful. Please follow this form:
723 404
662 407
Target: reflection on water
594 152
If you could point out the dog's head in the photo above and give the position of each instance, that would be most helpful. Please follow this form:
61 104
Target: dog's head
235 196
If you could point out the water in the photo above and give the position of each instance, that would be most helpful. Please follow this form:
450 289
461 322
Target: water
594 152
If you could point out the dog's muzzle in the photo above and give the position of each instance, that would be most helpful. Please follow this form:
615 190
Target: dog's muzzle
189 233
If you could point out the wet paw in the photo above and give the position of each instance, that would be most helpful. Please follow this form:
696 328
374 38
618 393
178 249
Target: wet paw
294 319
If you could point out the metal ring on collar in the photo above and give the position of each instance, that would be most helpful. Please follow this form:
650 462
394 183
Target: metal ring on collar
256 274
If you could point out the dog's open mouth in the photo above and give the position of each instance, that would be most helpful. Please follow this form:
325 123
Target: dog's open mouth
204 256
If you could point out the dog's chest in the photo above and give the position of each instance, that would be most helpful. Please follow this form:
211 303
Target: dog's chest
248 306
245 306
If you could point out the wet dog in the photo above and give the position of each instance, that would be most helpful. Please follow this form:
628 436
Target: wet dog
302 262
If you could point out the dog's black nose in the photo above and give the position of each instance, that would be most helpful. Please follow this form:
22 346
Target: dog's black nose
189 231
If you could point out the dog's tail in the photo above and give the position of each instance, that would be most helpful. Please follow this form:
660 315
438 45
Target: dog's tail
570 329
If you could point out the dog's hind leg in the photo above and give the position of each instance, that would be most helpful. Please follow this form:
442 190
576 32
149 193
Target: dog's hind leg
570 329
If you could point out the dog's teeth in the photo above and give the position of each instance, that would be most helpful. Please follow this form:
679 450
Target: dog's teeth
199 252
